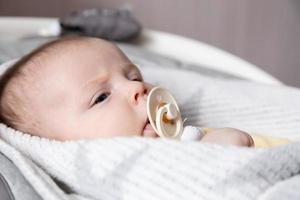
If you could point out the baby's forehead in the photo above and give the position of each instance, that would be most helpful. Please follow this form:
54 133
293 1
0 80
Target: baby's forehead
74 62
78 60
75 54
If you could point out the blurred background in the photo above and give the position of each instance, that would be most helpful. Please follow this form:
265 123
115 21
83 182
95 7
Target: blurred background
263 32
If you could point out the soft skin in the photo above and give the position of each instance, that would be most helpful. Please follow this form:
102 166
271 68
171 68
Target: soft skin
88 89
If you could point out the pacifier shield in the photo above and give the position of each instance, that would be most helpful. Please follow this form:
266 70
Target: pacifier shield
163 113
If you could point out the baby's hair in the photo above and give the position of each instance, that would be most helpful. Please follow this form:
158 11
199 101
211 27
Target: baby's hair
12 110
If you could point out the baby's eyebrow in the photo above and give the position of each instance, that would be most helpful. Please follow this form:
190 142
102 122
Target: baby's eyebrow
102 78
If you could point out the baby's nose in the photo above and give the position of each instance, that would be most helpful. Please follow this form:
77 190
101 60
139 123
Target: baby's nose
138 90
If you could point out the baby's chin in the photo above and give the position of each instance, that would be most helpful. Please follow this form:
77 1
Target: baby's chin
149 131
149 134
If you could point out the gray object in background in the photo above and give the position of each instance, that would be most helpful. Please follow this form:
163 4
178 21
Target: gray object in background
110 24
265 33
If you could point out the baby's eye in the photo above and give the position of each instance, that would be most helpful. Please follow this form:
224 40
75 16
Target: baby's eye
101 97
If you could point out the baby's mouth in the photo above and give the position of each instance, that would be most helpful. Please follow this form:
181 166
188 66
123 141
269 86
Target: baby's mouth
148 130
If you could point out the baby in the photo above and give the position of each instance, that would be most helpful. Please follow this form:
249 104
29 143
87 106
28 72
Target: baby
83 88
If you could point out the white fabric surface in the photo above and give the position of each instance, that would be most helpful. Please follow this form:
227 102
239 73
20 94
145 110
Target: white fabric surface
140 168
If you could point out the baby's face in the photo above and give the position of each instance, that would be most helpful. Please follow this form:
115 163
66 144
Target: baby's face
90 90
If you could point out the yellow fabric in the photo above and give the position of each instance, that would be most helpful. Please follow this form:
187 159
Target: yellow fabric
268 141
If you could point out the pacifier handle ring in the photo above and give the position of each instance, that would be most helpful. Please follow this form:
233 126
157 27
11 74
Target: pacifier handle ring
159 119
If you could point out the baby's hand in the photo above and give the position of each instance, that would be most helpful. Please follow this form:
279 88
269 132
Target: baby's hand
228 136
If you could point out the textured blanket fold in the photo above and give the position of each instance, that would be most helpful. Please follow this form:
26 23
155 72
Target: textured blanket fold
140 168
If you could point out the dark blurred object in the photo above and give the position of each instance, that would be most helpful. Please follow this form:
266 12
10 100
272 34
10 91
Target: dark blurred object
117 25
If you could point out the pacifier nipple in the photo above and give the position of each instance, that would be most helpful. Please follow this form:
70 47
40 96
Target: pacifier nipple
171 111
164 114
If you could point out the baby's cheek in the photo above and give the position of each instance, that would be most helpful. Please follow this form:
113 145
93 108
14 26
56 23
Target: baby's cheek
125 130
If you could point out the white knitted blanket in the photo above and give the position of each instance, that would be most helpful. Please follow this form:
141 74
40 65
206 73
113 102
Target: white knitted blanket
140 168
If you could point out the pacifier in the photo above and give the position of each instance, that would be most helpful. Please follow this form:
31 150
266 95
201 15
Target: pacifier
163 113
